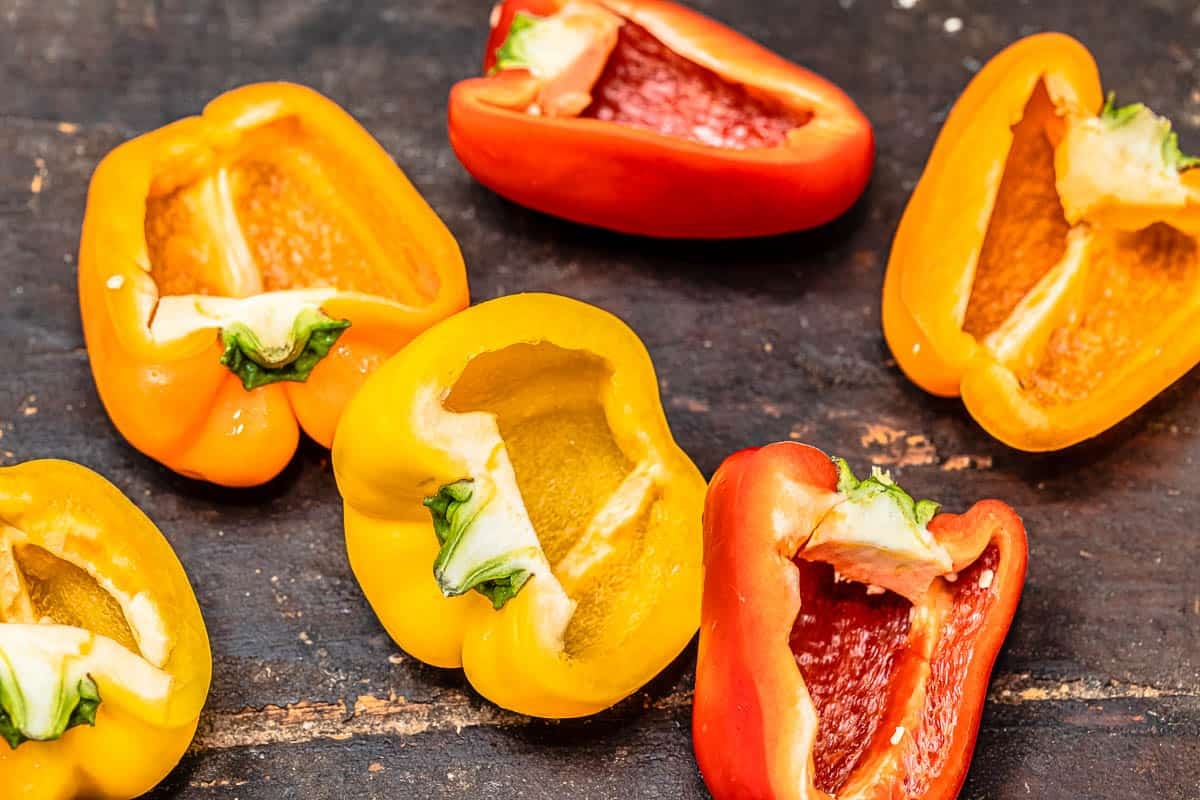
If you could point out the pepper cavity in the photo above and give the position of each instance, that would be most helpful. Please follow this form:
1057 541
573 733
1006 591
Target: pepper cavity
517 518
60 632
586 60
1099 256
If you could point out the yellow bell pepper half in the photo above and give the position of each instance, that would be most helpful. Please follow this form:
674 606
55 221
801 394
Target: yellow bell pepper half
515 505
104 659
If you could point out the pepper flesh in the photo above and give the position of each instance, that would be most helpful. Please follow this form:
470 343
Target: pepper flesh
90 589
663 123
521 445
809 685
241 272
1047 267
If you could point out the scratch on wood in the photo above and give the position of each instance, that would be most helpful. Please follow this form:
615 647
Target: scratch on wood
373 716
370 716
799 431
1018 689
39 177
879 434
692 404
900 448
215 784
955 463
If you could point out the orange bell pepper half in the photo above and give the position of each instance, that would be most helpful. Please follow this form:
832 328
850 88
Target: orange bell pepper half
243 271
847 632
645 117
1047 267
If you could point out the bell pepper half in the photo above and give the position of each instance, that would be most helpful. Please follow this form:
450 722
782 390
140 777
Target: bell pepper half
515 505
241 272
1047 267
645 117
104 659
848 632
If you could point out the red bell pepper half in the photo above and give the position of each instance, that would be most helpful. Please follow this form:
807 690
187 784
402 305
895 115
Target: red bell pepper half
645 117
811 684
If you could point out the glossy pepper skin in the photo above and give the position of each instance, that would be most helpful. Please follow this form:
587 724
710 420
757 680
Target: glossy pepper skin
631 161
274 195
808 687
82 567
545 409
1047 281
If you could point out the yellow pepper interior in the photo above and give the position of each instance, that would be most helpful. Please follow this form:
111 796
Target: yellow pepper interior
1097 307
282 209
549 406
67 595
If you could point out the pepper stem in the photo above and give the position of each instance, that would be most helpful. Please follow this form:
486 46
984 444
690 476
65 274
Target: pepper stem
313 335
475 552
514 52
40 706
1139 116
918 512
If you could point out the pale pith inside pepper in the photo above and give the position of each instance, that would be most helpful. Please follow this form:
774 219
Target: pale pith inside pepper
514 517
104 658
1094 230
60 632
256 244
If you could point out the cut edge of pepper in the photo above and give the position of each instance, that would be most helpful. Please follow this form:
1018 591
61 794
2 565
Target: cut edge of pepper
143 621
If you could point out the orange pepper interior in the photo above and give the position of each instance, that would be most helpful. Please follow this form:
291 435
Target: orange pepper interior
1027 234
280 209
1125 283
1134 279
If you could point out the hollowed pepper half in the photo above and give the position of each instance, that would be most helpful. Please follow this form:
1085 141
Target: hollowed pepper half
104 659
241 272
645 117
1048 264
515 505
848 632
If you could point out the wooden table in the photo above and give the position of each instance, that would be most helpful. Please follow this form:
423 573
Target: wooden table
1097 694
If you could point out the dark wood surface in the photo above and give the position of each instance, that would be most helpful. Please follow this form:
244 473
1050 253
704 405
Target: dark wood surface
1097 693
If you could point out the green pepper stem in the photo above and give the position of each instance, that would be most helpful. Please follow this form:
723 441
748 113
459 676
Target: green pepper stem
1120 116
474 552
313 335
919 513
38 705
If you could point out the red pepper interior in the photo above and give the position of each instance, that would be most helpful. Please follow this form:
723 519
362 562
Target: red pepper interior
949 669
847 644
647 85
